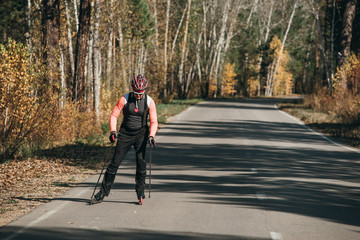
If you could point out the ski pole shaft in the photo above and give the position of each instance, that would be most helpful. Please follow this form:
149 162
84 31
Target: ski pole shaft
102 170
150 174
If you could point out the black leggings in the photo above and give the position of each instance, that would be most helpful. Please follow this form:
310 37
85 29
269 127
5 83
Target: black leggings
125 141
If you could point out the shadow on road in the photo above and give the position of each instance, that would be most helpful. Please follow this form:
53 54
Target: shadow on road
296 172
311 181
128 234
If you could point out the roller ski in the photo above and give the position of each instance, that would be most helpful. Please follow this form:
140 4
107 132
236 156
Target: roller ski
98 198
141 197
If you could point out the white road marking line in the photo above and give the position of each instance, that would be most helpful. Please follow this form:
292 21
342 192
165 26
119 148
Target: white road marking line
276 236
320 134
261 195
42 217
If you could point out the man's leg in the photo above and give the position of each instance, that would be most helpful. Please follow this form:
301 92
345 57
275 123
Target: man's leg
123 145
140 148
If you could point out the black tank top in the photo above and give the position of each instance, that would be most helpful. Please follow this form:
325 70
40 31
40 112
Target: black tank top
135 113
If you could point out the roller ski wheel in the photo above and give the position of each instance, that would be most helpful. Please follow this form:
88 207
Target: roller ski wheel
141 198
98 198
93 201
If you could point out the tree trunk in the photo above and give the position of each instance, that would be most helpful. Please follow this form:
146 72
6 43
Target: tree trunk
323 50
28 34
173 49
76 14
210 43
110 47
183 50
198 65
332 40
268 24
156 29
51 38
230 33
96 61
221 43
271 85
251 12
122 56
69 36
89 67
62 98
346 33
166 47
80 52
131 60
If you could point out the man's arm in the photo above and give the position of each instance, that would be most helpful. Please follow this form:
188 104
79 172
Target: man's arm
116 113
153 119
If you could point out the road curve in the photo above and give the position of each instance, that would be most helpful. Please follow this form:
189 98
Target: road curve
222 170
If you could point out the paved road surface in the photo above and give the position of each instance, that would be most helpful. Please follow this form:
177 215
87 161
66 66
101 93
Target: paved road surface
222 170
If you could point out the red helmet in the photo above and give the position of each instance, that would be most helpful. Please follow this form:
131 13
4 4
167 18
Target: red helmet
139 84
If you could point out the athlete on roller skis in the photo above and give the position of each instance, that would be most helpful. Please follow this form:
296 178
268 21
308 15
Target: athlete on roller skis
134 131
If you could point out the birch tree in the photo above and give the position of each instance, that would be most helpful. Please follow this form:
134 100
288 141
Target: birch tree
69 38
265 28
271 80
140 25
210 45
183 50
122 55
110 46
229 36
221 42
29 26
173 46
62 97
322 43
166 36
96 60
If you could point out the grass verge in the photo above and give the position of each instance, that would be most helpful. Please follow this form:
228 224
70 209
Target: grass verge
326 123
167 110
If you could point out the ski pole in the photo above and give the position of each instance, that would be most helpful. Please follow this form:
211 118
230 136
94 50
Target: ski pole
150 173
102 170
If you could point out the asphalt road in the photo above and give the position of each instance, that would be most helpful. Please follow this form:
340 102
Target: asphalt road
222 170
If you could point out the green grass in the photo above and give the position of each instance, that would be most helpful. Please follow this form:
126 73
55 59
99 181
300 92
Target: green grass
60 184
167 110
3 210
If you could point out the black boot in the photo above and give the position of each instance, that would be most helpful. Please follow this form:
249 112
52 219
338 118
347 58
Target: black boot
97 198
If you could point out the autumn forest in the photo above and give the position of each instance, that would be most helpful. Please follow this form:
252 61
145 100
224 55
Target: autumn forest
64 64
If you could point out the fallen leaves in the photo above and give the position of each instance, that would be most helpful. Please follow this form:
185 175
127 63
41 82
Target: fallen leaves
30 183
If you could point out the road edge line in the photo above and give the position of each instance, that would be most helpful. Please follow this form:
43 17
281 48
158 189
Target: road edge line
318 133
42 217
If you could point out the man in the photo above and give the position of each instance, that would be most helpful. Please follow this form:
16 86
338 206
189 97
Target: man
134 131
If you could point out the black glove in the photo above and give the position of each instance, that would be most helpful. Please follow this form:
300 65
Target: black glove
152 141
112 136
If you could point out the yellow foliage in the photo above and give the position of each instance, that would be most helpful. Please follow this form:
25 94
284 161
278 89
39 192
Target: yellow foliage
346 97
25 113
253 82
284 82
73 124
252 86
229 80
212 87
347 77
